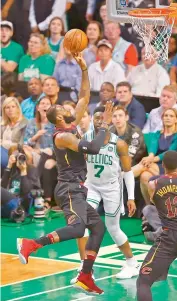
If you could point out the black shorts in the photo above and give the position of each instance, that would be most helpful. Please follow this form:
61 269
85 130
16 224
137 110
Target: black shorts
157 262
72 199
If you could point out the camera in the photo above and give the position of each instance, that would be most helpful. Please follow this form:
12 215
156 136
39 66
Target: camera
37 193
21 158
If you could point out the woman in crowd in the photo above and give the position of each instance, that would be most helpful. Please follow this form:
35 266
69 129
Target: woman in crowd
172 52
38 61
39 138
94 34
13 126
157 144
56 34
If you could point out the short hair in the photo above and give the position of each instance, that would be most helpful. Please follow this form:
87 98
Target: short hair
171 88
108 83
50 77
99 109
170 160
118 107
124 84
52 114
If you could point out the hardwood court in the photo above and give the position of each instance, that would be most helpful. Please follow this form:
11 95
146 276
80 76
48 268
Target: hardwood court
48 274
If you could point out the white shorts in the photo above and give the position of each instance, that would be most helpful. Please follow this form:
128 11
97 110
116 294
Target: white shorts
111 194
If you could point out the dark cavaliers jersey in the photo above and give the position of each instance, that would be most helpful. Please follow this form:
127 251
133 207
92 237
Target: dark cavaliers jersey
71 165
165 199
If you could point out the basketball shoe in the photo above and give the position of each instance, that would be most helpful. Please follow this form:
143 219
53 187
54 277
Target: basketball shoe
25 247
86 283
128 271
78 272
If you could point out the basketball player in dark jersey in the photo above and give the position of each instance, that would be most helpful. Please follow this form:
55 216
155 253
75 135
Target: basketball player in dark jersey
163 193
70 193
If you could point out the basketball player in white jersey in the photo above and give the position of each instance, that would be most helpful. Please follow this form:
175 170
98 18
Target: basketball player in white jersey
105 181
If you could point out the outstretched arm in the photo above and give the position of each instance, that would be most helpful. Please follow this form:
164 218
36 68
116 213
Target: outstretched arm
68 140
122 149
84 94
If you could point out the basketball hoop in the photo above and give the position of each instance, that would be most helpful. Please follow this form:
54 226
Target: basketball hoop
156 38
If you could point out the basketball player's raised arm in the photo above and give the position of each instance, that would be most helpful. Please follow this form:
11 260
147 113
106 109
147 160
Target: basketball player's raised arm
125 159
84 94
68 140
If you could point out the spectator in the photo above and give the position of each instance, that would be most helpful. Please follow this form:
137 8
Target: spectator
130 133
83 9
11 52
69 105
124 53
157 144
85 124
148 78
136 111
19 178
51 89
8 85
103 12
56 34
67 72
38 62
39 139
173 72
105 69
18 14
13 127
94 34
167 100
28 105
42 12
106 93
172 53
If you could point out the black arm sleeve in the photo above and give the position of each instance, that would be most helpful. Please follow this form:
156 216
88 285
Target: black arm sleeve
5 178
94 146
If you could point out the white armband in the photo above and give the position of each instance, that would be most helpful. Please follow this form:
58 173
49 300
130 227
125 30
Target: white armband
130 184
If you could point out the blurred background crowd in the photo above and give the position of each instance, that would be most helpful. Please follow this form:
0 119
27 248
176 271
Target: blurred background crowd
37 72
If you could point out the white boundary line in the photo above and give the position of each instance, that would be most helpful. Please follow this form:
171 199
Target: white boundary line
54 290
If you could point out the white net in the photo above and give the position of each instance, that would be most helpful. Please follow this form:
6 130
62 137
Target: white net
155 37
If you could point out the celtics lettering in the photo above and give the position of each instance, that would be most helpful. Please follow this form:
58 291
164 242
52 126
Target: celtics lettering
100 159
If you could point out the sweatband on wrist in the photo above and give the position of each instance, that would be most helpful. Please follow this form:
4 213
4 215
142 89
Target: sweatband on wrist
130 184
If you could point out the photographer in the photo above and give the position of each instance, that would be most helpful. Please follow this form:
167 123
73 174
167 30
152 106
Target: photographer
19 178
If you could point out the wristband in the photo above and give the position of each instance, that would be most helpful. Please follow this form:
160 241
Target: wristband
84 70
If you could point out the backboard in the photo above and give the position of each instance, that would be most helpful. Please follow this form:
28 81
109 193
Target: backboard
117 10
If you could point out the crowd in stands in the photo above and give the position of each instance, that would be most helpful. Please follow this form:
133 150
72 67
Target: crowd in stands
32 53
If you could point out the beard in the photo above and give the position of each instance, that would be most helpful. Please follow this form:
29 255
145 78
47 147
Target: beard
69 119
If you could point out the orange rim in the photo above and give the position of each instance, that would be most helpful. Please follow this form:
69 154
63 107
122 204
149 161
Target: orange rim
154 12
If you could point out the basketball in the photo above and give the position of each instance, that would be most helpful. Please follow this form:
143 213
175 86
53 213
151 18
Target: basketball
75 40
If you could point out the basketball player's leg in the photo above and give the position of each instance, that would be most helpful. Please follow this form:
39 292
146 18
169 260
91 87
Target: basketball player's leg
112 206
93 198
155 266
72 197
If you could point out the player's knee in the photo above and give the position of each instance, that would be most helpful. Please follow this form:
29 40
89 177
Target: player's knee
98 228
80 230
101 227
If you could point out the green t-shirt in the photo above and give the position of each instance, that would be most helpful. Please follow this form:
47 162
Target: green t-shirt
13 52
30 68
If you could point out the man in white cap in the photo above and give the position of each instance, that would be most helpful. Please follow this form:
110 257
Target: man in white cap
11 52
105 70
